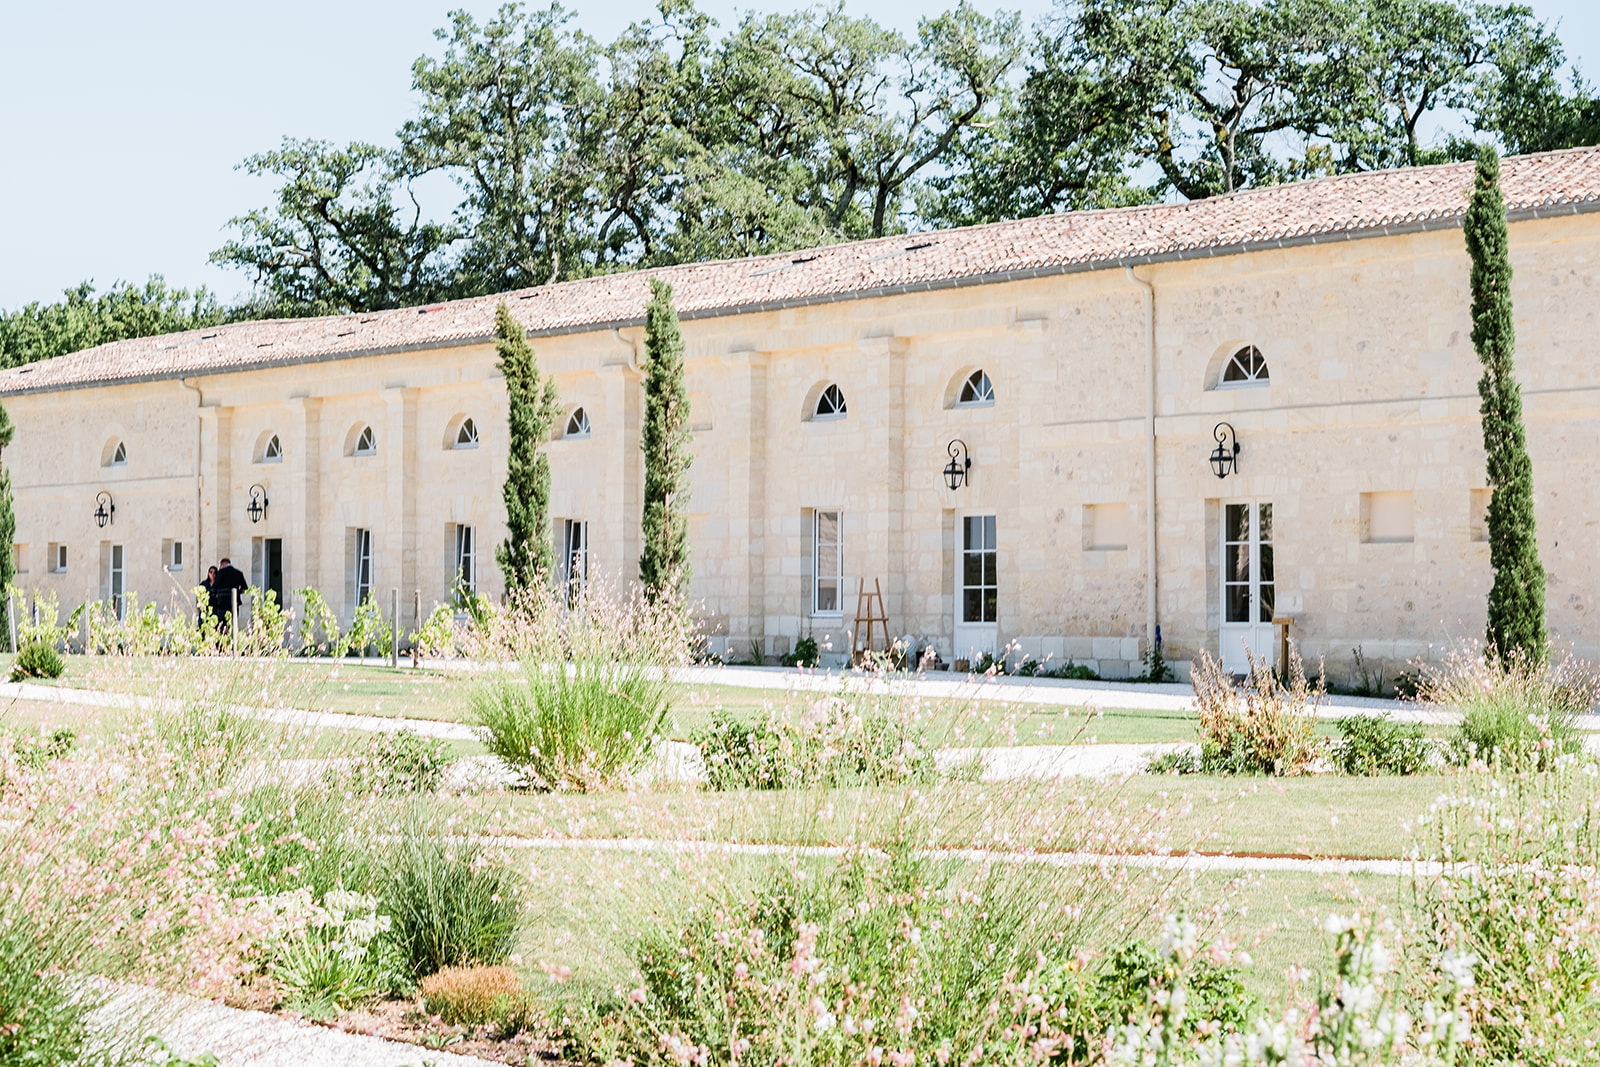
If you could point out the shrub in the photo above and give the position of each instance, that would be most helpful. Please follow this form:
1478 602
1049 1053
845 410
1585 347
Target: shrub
473 996
832 743
451 904
1263 727
402 762
37 660
338 954
805 654
886 958
1371 745
582 727
320 619
1361 1017
1182 761
1032 668
1515 713
1156 669
437 636
34 754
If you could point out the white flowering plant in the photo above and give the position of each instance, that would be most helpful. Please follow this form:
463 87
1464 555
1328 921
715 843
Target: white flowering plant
332 954
1357 1017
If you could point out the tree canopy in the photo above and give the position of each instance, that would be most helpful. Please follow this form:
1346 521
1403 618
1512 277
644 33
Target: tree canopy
682 141
679 142
84 318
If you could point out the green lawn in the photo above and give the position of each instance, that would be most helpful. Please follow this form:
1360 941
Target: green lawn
352 688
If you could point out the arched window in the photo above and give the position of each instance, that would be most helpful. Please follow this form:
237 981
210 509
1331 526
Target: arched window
366 443
976 391
467 435
577 424
119 456
272 452
830 405
1245 367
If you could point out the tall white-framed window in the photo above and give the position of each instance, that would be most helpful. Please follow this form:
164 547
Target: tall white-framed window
117 577
172 555
466 434
574 563
827 563
361 566
465 577
980 584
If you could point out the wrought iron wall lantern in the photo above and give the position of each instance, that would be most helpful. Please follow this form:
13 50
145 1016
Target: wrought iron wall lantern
959 469
257 508
105 510
1225 458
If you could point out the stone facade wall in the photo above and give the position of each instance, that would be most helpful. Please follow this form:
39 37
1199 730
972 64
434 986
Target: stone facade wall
1373 392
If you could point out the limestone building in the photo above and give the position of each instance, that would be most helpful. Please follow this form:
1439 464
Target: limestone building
1091 366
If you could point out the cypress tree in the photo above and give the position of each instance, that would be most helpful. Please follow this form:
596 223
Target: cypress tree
664 563
526 552
1516 602
8 528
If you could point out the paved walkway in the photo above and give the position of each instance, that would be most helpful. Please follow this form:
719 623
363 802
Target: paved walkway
1192 861
192 1027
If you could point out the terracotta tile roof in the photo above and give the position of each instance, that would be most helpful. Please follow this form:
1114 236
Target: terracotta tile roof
1339 208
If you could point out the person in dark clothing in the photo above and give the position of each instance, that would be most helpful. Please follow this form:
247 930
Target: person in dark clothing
208 585
228 581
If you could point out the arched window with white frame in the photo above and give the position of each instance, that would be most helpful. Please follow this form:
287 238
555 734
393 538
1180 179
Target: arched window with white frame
1244 368
366 443
116 455
577 426
466 434
976 392
272 451
830 404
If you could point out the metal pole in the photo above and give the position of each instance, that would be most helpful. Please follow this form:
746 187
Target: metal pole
416 620
394 627
233 620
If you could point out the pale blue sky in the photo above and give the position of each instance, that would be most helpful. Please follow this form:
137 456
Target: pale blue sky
123 122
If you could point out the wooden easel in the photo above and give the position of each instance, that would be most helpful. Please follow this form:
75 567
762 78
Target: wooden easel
872 622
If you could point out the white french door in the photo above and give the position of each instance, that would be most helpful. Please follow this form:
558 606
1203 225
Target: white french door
1247 585
977 588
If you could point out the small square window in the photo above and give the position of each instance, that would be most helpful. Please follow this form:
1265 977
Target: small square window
1387 518
172 555
58 559
19 558
1105 527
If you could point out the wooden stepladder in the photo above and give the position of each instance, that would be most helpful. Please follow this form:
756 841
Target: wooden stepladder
872 623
